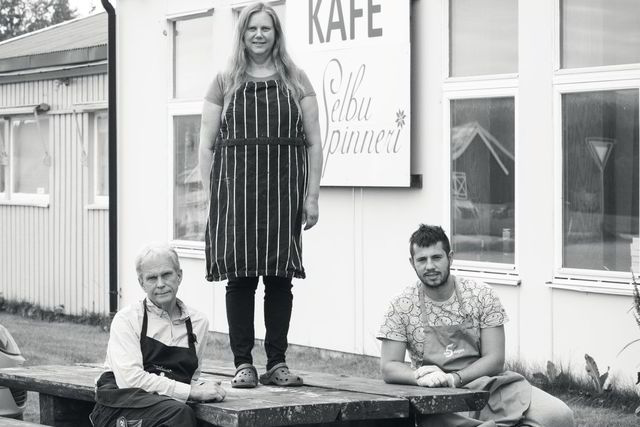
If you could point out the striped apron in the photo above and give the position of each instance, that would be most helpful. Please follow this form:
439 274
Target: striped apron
258 184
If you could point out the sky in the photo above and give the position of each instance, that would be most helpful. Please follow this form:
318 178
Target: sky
84 6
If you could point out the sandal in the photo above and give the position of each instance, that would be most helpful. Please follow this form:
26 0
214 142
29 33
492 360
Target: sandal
279 375
246 376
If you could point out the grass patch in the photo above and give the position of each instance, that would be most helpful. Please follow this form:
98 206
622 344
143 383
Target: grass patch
33 311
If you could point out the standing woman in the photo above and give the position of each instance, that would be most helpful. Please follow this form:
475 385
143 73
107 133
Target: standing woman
261 160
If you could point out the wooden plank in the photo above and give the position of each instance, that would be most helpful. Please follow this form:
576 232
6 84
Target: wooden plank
11 422
264 405
423 400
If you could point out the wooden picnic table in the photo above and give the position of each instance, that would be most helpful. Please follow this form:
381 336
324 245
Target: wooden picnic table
66 396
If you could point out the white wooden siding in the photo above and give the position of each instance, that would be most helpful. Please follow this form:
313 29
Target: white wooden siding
58 255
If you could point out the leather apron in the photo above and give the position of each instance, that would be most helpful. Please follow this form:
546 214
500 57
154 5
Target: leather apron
176 363
454 347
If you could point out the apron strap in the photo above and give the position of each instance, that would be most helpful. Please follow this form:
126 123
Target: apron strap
143 331
190 335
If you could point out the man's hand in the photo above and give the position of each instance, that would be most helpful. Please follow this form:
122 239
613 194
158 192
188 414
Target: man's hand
207 391
432 376
310 212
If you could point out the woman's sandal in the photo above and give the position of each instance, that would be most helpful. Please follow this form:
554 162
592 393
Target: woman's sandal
246 376
279 375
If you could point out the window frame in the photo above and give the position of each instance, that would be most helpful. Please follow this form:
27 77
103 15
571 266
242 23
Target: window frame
10 196
600 281
186 248
4 195
600 72
483 79
99 201
491 272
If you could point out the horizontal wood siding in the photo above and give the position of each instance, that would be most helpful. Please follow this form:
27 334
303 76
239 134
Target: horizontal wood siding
58 256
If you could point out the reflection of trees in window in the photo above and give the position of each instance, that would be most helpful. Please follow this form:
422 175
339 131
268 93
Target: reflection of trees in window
189 201
483 166
600 178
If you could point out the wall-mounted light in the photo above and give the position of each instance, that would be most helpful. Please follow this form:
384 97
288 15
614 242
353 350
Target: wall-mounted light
63 81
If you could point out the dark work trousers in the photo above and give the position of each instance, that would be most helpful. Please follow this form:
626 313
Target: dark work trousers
278 301
168 413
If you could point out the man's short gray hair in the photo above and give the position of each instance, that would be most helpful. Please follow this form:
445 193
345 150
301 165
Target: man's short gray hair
157 249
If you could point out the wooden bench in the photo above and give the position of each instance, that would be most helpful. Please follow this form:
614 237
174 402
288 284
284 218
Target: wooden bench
12 422
66 398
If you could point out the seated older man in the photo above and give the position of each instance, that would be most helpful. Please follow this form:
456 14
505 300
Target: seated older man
154 353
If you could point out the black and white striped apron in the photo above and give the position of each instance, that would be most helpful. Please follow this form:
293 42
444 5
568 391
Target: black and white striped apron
258 184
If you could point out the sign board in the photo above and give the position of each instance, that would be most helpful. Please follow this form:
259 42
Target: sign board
357 56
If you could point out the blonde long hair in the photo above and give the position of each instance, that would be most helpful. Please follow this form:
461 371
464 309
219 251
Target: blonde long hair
287 70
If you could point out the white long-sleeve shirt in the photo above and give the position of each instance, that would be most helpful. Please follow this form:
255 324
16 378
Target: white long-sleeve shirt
124 356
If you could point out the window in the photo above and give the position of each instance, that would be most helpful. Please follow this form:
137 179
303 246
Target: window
30 159
483 37
193 56
4 157
482 179
189 201
99 131
600 179
599 32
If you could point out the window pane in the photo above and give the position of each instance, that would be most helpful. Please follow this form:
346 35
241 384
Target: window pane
102 155
600 178
189 203
193 59
4 156
483 37
30 170
482 182
600 32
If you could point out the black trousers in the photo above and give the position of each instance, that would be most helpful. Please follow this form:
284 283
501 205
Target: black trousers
168 413
278 301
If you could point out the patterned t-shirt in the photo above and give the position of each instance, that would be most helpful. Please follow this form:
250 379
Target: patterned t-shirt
402 320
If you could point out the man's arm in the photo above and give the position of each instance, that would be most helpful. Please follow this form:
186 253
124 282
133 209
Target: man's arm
124 358
491 361
394 370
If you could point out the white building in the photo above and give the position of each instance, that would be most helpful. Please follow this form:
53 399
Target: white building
523 144
54 191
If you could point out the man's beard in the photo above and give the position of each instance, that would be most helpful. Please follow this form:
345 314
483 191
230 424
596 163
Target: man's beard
445 278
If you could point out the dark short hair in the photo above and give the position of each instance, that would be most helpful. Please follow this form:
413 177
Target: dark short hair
429 235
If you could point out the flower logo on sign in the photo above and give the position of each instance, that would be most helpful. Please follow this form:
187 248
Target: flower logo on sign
400 116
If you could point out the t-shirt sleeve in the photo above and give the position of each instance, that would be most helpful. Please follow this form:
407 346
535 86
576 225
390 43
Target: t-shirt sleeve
307 87
492 311
215 92
392 327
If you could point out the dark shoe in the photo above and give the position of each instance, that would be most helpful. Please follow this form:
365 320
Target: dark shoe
246 376
279 375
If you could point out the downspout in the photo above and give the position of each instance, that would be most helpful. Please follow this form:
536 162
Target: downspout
113 160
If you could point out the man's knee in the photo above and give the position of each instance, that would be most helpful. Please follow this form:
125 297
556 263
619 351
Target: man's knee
547 410
178 414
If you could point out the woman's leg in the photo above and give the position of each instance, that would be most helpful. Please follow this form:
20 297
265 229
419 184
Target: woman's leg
278 301
240 300
547 411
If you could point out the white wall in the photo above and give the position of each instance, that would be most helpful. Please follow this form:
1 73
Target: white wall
356 257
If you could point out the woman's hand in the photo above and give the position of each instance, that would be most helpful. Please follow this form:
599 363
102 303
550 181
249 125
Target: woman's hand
207 391
310 212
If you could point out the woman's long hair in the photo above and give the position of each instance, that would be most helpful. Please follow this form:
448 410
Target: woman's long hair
287 70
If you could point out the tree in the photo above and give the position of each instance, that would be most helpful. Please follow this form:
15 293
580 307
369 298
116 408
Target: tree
23 16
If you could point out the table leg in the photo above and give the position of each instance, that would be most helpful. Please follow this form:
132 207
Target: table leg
61 412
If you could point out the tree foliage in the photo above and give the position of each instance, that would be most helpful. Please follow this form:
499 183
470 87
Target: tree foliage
23 16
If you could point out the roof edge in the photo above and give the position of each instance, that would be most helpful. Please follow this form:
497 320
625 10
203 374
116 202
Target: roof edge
64 57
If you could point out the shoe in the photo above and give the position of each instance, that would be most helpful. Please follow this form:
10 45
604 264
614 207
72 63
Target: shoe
246 376
279 375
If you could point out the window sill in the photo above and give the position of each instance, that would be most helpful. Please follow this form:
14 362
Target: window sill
29 203
97 207
591 286
492 277
187 249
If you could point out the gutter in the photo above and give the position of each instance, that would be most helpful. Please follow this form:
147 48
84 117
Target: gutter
113 160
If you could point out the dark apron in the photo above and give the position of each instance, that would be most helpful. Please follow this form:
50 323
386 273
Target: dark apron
177 363
454 347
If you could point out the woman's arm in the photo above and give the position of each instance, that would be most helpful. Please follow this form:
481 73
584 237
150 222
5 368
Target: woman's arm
309 106
209 127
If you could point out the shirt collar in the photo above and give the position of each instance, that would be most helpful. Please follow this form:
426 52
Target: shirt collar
159 311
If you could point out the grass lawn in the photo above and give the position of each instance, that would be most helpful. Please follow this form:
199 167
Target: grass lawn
66 343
